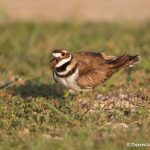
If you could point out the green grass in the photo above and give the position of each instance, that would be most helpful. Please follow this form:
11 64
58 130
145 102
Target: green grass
33 115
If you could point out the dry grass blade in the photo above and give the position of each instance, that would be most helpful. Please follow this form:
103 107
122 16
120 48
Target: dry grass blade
113 79
3 75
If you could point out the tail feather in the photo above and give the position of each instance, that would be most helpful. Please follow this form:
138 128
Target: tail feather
124 61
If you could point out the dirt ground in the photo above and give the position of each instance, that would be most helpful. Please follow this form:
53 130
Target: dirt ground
82 10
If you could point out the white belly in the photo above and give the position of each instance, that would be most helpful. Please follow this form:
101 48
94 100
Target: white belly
69 82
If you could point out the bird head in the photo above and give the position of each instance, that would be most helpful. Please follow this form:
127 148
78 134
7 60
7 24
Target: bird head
60 57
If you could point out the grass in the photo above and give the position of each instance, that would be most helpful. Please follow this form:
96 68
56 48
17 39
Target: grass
35 115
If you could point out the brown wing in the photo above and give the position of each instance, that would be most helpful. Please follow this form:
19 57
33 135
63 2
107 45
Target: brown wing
93 69
96 68
88 60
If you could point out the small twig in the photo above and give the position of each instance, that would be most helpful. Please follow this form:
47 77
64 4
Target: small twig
10 84
7 85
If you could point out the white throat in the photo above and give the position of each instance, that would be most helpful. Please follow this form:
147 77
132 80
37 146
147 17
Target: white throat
63 61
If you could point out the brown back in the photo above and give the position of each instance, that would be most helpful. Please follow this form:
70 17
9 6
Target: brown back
96 68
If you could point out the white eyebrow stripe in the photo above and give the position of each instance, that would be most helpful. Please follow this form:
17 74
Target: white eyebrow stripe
64 51
63 61
57 55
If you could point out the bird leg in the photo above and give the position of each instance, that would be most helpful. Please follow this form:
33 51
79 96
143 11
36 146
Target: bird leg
77 97
91 101
93 95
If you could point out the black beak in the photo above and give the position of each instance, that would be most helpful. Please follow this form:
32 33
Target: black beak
52 60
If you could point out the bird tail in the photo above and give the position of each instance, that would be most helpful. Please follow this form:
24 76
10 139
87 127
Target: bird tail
124 61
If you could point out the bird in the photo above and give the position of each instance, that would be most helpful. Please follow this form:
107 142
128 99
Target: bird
85 70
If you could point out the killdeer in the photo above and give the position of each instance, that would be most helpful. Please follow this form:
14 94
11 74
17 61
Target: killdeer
84 71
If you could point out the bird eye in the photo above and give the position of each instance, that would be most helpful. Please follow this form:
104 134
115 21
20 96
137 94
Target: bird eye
63 54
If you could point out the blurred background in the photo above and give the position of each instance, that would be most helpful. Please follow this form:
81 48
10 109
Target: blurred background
32 113
82 10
